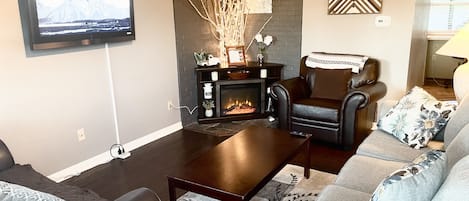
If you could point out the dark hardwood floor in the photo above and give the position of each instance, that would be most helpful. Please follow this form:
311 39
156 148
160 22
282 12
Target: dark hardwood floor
149 165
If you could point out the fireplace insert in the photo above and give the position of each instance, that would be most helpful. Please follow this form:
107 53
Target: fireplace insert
240 97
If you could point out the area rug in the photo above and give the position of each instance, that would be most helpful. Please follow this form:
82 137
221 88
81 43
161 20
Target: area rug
288 184
229 128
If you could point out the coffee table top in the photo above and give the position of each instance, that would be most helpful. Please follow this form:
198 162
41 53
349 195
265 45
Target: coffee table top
243 163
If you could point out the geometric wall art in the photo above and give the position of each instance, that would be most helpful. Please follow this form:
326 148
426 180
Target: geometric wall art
344 7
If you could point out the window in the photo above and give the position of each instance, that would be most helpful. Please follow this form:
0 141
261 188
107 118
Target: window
447 16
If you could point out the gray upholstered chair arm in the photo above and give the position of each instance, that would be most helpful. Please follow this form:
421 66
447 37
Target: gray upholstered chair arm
139 194
6 159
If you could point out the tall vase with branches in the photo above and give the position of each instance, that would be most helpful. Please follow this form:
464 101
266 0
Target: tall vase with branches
227 21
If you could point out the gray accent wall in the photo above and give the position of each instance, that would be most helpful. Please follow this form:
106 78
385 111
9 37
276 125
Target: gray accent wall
193 34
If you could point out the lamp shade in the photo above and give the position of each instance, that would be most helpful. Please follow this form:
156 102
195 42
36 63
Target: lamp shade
458 45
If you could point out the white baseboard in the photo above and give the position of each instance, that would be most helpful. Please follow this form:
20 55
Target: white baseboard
105 157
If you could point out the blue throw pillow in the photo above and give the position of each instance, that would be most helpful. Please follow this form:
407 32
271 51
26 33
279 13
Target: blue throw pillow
13 192
418 181
456 184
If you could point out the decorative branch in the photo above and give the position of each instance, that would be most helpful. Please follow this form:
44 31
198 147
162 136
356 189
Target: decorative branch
260 30
207 18
227 19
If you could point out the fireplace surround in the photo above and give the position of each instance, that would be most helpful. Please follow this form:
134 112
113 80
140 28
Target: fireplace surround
235 97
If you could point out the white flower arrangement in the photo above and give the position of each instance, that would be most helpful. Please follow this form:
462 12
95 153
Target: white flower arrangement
263 42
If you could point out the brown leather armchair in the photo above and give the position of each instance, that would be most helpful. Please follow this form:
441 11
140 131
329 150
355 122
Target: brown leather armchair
334 121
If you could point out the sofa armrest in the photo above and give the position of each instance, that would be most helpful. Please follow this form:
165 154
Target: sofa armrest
6 159
284 92
139 194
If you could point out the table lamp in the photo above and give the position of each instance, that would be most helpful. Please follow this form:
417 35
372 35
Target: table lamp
458 46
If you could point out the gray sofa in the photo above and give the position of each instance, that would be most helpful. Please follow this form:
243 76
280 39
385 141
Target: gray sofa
26 176
380 154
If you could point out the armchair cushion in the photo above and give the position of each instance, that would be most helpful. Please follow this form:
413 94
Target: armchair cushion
369 74
320 109
329 83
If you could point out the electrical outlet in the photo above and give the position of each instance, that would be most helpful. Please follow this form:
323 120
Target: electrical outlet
81 134
170 105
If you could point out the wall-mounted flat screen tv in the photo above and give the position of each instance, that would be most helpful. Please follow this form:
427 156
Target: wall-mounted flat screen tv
65 23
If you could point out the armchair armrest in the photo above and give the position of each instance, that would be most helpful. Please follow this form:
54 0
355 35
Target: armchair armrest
290 89
139 194
370 93
6 159
355 100
284 92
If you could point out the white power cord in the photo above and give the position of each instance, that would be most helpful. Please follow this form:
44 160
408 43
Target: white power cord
191 111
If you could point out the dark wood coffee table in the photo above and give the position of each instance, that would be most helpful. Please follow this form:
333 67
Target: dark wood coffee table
240 166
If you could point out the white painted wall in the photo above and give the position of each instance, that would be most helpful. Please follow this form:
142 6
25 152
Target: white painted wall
419 44
46 97
358 34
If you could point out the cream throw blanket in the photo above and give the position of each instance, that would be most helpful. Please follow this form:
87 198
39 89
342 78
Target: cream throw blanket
336 61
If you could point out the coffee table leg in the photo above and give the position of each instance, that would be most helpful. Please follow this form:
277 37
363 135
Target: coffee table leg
307 164
172 190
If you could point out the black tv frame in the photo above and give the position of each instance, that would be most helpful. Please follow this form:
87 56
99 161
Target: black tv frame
38 42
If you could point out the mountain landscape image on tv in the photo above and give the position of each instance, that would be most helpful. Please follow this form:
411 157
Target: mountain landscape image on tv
94 20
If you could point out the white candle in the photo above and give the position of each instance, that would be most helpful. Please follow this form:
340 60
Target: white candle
263 73
214 75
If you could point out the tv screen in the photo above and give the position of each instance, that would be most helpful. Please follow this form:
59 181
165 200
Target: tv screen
65 23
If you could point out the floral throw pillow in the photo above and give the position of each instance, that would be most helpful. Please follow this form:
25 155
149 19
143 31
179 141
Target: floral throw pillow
418 181
416 118
14 192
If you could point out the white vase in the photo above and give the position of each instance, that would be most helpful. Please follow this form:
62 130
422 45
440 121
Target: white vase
209 113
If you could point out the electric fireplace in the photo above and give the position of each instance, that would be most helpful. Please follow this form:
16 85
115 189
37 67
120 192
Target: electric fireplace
240 97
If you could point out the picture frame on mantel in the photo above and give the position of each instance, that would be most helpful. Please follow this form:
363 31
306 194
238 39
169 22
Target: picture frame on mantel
348 7
236 55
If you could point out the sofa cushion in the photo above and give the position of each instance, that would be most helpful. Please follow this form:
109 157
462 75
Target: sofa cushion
317 109
25 175
12 192
335 193
456 184
364 173
458 120
416 182
459 147
416 118
381 145
330 83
